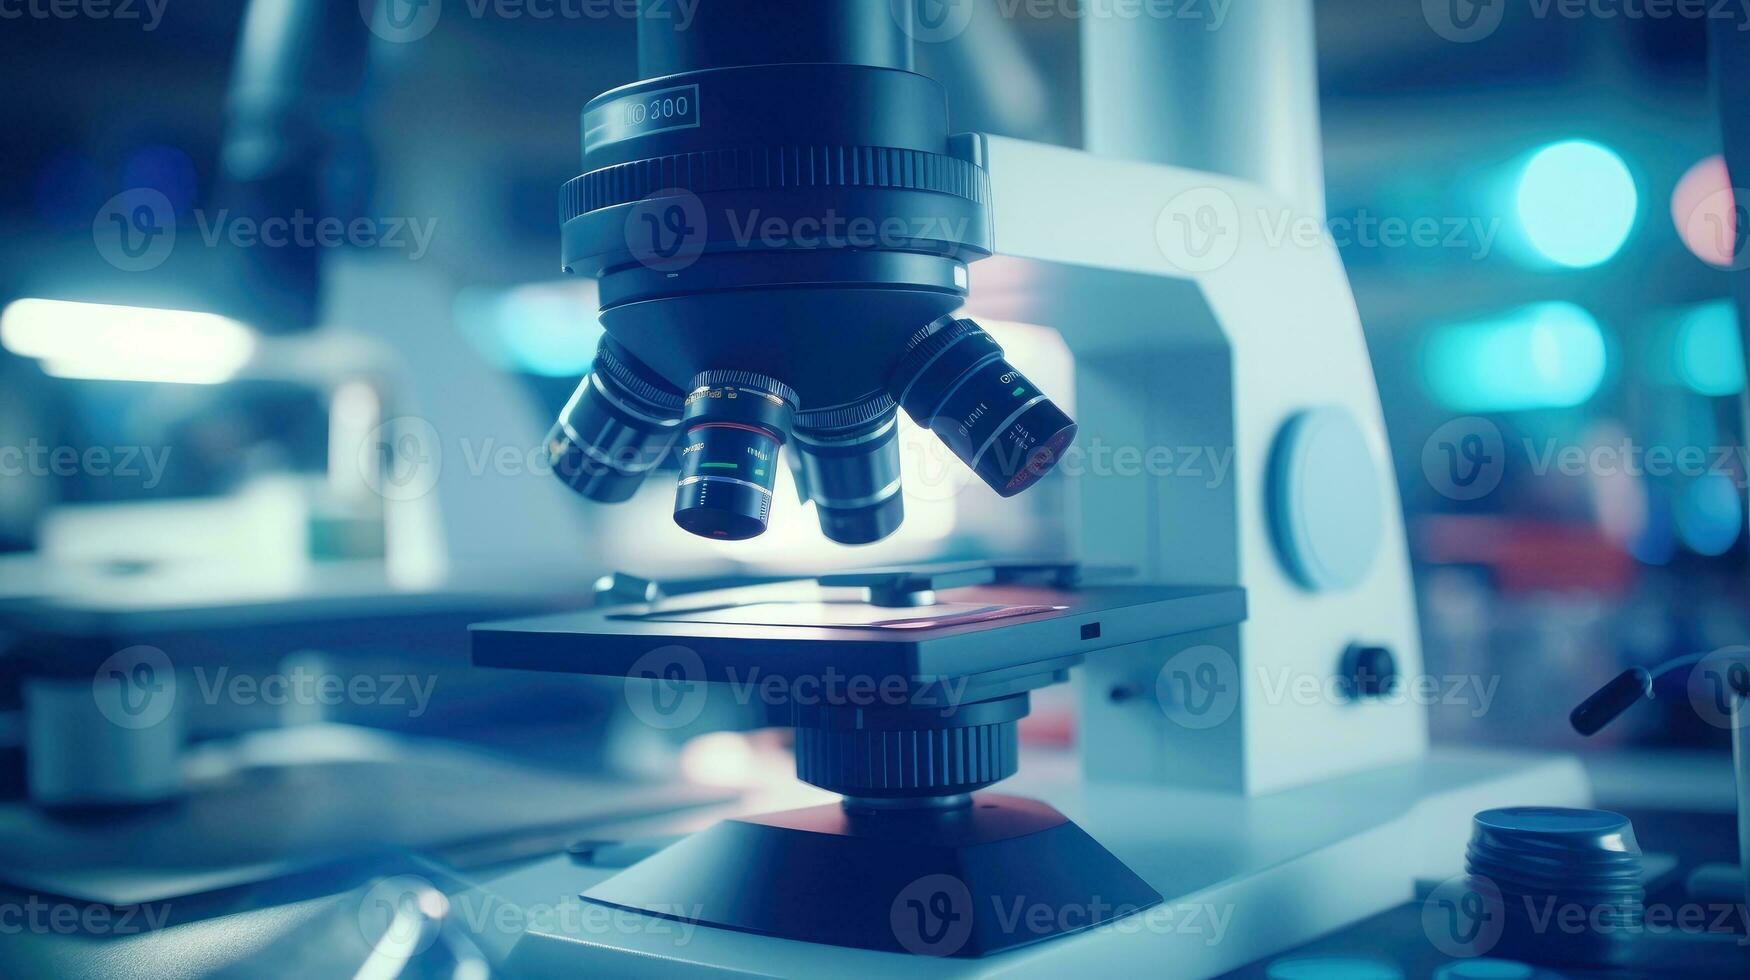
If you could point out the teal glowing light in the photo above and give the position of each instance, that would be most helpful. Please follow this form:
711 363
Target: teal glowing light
1333 968
1484 970
537 329
1709 352
1710 515
1576 203
1549 355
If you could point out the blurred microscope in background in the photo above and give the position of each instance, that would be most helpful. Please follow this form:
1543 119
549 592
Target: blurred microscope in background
273 416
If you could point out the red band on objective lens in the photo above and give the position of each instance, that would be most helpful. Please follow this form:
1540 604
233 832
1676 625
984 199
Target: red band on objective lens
756 430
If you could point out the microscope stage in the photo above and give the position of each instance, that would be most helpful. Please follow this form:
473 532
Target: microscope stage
801 629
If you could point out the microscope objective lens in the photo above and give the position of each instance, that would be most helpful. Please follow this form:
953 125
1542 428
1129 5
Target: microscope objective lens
735 423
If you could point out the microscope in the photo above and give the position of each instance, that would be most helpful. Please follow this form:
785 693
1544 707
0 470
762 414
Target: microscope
786 234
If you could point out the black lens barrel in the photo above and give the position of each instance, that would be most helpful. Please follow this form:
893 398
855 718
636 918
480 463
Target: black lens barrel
735 424
673 38
955 381
850 468
619 424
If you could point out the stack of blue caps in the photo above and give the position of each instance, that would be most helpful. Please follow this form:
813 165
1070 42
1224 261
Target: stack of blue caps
1569 882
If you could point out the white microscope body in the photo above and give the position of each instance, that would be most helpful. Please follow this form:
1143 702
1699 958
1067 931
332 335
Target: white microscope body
1268 808
1231 435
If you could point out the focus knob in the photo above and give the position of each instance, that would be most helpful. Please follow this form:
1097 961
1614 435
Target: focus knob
874 755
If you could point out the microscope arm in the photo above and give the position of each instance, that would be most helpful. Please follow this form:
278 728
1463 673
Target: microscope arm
294 139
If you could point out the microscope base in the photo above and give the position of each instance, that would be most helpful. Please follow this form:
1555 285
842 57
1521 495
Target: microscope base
1242 878
927 882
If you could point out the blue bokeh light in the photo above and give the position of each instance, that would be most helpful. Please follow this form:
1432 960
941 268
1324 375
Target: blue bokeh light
1333 968
1709 353
165 169
1485 970
1547 355
1576 203
532 330
1710 515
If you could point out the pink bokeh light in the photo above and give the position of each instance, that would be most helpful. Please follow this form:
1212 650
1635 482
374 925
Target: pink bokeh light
1705 211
